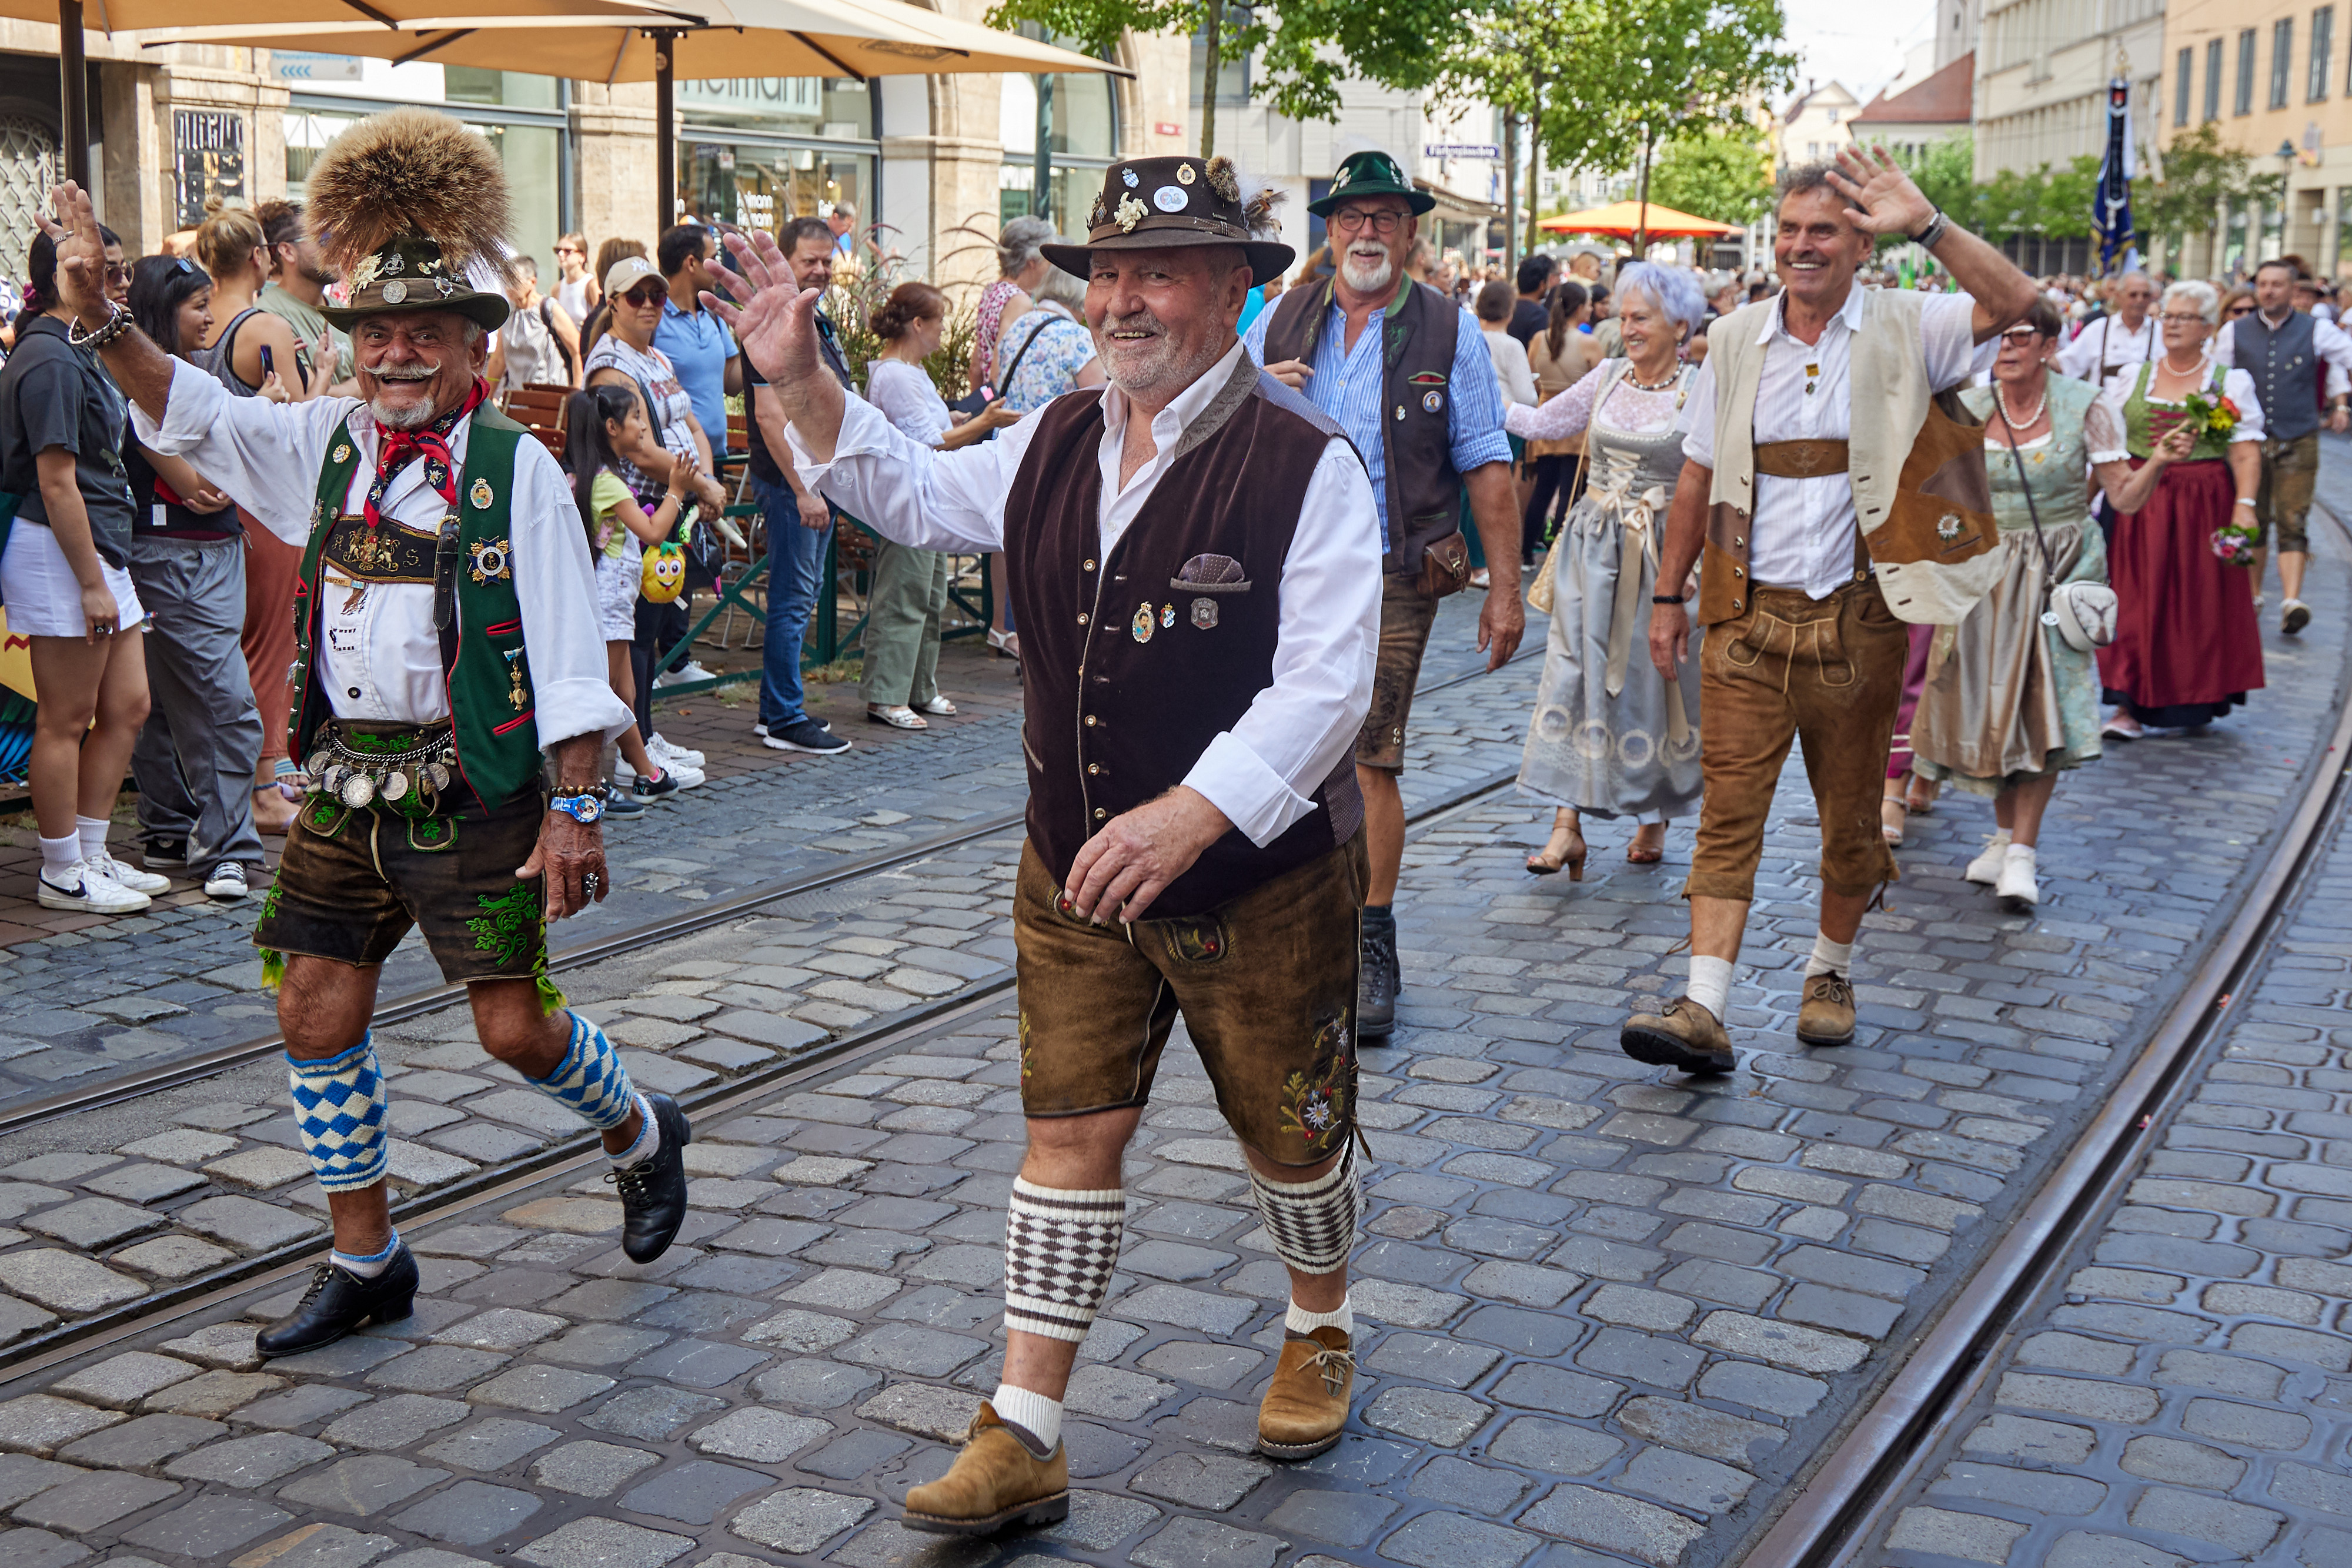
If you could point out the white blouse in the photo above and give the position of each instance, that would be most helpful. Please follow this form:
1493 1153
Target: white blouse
1630 409
906 396
2236 385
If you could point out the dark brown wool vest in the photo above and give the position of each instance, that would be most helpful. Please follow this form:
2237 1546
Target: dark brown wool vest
1127 673
1420 327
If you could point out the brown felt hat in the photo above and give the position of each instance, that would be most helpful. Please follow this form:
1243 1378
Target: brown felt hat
1149 204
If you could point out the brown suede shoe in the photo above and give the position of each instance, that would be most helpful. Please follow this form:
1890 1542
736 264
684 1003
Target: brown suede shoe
1684 1036
1827 1017
1306 1404
996 1482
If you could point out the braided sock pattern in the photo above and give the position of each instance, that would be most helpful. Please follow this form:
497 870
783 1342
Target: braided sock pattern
1059 1248
339 1108
590 1080
1312 1224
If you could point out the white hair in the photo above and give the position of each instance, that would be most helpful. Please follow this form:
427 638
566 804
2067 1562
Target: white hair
2197 294
1064 289
1672 290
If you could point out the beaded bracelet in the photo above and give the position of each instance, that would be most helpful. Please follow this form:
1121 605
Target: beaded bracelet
117 324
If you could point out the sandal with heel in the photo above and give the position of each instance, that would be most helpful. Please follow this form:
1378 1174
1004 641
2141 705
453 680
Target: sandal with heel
1543 862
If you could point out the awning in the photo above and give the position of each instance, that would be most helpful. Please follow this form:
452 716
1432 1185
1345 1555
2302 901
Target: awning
1453 208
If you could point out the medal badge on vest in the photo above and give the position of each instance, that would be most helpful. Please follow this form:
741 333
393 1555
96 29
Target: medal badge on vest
1140 627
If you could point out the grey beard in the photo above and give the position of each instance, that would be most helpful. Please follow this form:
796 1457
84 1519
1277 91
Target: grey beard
1368 282
416 418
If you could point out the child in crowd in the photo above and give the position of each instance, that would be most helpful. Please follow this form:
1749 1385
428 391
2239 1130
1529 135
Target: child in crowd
608 425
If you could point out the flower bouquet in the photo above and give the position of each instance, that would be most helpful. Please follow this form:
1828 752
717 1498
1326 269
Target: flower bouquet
2235 543
2215 416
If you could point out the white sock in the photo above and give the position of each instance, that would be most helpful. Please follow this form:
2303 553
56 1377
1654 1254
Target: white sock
59 856
1710 984
1034 1418
367 1268
92 831
2021 852
648 1142
1299 1320
1829 957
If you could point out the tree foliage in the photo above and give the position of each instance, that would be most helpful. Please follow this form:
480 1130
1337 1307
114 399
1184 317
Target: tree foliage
2200 173
1720 173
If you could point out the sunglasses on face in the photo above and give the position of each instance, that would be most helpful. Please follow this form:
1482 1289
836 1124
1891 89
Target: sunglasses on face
569 250
644 298
2240 308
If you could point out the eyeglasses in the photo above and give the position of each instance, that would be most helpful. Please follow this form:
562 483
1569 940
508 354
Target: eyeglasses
2175 318
2024 337
1352 220
569 250
2243 307
642 298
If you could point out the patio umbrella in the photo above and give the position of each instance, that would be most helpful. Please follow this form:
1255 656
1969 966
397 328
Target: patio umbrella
1623 219
734 38
110 16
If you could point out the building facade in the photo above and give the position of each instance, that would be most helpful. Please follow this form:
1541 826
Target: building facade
2274 80
2042 73
1816 125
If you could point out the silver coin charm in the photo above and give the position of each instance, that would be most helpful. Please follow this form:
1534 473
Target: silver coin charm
357 791
396 785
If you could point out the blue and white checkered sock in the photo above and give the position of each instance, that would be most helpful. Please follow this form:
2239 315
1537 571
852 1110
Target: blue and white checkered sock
369 1267
590 1080
339 1108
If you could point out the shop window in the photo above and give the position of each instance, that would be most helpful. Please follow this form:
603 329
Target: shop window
764 187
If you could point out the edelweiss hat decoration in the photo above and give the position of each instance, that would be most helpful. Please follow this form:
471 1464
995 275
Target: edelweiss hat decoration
403 204
1151 203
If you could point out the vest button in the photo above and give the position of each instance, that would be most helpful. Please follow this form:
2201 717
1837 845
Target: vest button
1090 721
1101 814
1092 768
1737 572
1737 540
352 693
1082 617
1087 566
1735 604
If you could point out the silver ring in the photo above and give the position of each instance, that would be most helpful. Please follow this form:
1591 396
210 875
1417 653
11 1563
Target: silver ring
589 882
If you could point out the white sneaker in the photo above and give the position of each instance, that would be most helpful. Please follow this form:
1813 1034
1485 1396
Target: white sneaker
665 754
90 892
2018 890
137 881
1986 867
690 671
687 775
226 882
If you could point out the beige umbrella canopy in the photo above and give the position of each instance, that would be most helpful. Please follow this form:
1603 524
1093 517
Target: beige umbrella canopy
381 16
855 38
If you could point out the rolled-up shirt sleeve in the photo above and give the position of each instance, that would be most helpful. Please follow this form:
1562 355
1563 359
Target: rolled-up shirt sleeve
1475 431
264 455
1698 445
555 581
910 494
1263 772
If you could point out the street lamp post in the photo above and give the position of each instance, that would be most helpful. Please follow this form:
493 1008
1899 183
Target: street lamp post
2285 155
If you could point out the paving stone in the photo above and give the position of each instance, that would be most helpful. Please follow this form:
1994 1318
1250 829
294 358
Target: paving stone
695 1493
809 1384
602 1344
1970 1537
1698 1430
2249 1425
1099 1520
1212 1481
2236 1527
1588 1515
1189 1542
93 1223
2182 1464
23 1476
799 1520
603 1543
366 1485
857 1453
42 1423
1687 1481
121 1381
471 1513
490 1445
297 1407
39 1549
1427 1414
2023 1438
250 1461
1553 1447
1784 1345
762 1436
244 1223
1343 1519
67 1282
649 1414
917 1352
942 1414
173 1257
541 1389
1452 1541
93 1500
590 1469
1476 1489
501 1328
1533 1387
1204 1366
395 1422
437 1369
317 1546
210 1526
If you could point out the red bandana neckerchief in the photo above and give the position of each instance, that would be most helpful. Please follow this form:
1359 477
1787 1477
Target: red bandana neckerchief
401 448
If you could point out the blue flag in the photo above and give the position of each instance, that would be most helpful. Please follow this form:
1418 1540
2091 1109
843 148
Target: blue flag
2111 213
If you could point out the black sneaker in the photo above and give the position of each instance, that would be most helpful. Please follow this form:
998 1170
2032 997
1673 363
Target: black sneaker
338 1301
659 788
805 734
653 1191
165 852
1376 986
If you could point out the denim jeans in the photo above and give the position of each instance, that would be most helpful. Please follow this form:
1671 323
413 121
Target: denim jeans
795 564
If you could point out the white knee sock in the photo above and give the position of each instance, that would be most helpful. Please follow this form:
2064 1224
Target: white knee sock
647 1145
59 856
1710 984
92 831
1829 957
1035 1420
1299 1320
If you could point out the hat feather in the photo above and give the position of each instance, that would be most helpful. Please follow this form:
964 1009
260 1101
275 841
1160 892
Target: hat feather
408 171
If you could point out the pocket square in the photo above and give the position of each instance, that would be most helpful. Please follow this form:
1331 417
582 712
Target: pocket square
1211 574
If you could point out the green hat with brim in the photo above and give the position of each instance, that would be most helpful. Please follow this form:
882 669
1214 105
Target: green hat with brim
409 277
1370 174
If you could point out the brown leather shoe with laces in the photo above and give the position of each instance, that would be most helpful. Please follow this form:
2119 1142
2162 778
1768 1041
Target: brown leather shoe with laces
1827 1016
1684 1036
1306 1404
994 1484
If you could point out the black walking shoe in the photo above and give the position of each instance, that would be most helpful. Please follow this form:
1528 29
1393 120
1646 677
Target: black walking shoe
338 1301
1376 986
653 1191
166 853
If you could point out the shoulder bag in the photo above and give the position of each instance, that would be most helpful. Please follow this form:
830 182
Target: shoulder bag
2084 612
978 402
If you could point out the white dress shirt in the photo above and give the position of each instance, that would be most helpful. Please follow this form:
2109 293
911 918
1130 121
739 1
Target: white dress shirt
2108 342
377 654
1804 530
1262 772
2328 341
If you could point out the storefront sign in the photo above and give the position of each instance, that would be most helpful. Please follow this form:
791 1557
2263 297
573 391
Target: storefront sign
208 159
782 95
297 65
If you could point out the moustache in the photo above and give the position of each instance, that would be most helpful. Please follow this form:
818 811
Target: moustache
406 372
1140 321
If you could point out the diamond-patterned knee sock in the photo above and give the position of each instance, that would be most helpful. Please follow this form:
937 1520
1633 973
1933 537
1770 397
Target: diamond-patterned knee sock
339 1109
1312 1224
590 1080
1059 1248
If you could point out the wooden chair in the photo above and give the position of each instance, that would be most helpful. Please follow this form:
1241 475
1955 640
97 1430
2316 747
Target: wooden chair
541 408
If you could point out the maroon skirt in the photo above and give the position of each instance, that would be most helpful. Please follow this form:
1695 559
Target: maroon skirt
2188 646
1915 682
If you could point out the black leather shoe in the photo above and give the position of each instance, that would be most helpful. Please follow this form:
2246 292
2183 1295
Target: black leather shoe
653 1191
1376 986
338 1301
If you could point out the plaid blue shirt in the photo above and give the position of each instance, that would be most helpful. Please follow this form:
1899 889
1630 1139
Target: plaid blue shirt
1348 385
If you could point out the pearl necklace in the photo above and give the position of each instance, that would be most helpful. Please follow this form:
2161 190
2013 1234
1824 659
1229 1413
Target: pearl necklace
1638 385
2028 421
2190 369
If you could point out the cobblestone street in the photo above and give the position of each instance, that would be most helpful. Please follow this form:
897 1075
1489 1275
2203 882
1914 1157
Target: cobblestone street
1604 1316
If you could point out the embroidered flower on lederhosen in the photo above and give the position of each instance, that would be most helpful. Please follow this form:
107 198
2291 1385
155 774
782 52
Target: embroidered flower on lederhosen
1314 1102
1028 1051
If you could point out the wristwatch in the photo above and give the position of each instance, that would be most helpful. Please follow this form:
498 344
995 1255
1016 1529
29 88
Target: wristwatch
583 806
1927 236
1666 599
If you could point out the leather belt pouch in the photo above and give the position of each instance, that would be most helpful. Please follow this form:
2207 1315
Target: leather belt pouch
1445 566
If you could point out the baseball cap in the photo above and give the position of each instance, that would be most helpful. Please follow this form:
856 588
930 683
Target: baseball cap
625 274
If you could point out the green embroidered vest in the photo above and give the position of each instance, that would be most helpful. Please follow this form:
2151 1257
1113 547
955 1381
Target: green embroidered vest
2146 422
486 672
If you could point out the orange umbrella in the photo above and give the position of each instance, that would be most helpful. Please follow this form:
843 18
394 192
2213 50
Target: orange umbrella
1623 219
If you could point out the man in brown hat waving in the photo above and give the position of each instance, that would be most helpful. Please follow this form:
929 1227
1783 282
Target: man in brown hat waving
1195 564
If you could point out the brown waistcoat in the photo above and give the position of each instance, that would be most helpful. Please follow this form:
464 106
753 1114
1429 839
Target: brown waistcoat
1128 675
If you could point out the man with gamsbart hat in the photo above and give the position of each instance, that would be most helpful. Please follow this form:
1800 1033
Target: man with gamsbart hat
1405 372
1193 560
445 635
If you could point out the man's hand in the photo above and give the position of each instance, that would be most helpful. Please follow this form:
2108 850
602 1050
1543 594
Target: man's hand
777 325
1502 622
2338 421
81 255
1123 868
1292 373
568 854
1670 630
1884 201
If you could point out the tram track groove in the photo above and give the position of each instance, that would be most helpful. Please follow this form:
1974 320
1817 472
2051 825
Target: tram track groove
1840 1506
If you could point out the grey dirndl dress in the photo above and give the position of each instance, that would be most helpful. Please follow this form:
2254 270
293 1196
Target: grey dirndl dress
1611 736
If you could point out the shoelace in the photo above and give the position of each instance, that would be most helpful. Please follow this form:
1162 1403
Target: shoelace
1835 988
1334 1365
634 1183
320 1276
1377 957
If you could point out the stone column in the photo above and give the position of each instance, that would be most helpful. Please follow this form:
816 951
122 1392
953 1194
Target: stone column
614 131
